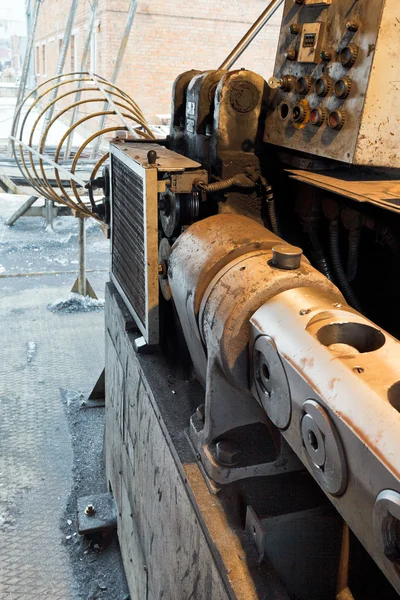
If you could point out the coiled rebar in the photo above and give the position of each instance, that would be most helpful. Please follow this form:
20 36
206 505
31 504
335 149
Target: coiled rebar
31 148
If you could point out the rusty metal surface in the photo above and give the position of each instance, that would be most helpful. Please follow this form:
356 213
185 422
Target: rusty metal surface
204 252
343 378
379 188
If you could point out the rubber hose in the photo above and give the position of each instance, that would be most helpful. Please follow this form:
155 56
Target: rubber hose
352 259
344 285
273 220
319 257
219 186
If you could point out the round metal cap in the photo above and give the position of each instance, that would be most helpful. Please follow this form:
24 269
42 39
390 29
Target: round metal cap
285 256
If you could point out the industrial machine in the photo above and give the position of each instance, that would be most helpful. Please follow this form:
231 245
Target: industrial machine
252 360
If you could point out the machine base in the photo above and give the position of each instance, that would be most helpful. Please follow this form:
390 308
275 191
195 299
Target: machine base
178 540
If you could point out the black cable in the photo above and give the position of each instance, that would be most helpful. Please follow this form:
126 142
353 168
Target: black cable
344 285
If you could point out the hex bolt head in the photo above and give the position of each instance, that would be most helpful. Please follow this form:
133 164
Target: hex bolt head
286 257
90 510
227 452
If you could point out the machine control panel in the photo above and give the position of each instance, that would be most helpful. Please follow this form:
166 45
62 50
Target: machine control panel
335 81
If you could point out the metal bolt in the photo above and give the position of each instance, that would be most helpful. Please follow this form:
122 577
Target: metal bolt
90 510
305 311
337 305
352 26
290 54
227 452
200 412
358 370
287 257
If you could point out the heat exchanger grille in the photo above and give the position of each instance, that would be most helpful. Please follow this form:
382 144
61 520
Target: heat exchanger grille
128 261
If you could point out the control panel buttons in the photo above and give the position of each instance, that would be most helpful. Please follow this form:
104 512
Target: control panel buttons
348 55
342 87
322 86
336 119
318 116
303 84
300 114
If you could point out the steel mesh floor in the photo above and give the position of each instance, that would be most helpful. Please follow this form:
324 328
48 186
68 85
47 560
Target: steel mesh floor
41 353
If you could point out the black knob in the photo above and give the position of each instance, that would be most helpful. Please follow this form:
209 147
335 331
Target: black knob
348 55
336 119
322 86
342 87
303 84
152 157
290 54
318 116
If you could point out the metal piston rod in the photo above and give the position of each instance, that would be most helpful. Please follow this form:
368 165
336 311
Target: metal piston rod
251 34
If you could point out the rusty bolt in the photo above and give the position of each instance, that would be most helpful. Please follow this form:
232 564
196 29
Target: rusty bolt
227 452
90 510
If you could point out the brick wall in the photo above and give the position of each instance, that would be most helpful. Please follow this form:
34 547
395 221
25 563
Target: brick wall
167 38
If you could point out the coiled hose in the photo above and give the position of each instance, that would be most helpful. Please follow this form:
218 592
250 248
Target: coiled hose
352 259
319 257
344 285
219 186
270 201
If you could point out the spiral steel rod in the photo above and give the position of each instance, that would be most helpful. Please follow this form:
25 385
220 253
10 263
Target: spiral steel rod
33 156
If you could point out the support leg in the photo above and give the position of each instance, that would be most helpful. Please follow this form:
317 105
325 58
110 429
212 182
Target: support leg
22 210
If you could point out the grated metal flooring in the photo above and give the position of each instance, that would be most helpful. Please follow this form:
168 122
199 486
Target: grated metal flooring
40 353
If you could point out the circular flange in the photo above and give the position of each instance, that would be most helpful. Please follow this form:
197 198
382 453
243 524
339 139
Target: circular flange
164 250
271 382
386 519
243 96
323 448
170 213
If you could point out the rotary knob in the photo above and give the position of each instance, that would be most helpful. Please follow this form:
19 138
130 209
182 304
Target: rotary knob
287 83
318 116
322 86
342 87
348 55
336 119
303 84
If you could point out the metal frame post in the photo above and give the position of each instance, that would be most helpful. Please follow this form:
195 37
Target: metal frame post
84 60
25 68
61 60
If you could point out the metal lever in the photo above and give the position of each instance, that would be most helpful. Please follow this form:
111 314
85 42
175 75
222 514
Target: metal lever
251 34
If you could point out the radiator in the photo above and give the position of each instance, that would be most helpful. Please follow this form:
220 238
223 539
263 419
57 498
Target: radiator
135 185
134 239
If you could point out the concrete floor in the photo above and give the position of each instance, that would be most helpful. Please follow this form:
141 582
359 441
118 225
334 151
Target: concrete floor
48 360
